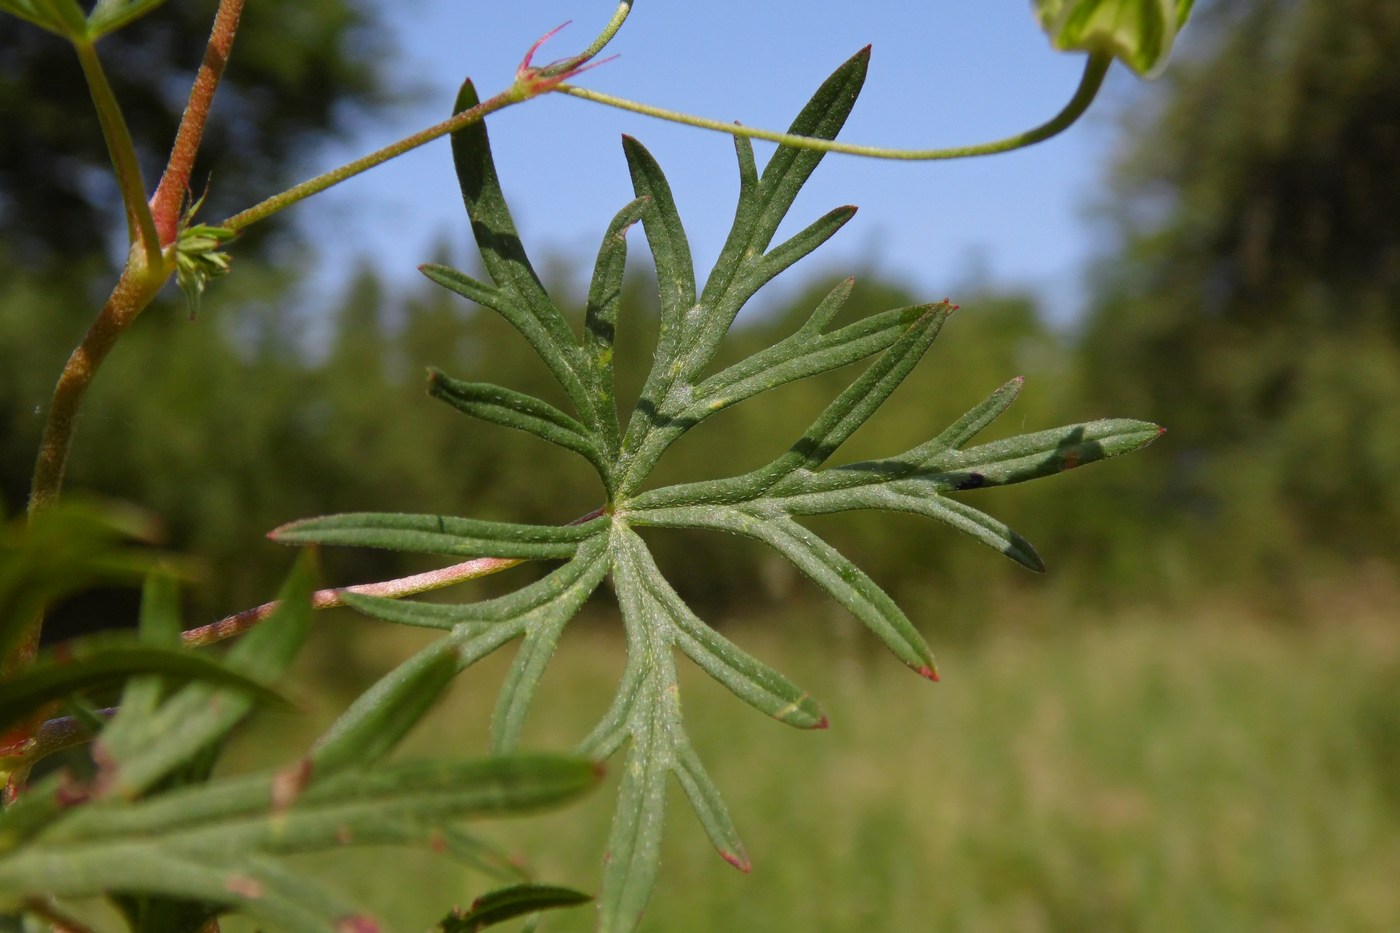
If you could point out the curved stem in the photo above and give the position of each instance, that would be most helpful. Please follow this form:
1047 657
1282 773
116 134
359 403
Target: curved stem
1094 71
139 224
244 219
165 204
520 91
133 292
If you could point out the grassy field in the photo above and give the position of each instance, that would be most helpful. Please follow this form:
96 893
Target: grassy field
1205 772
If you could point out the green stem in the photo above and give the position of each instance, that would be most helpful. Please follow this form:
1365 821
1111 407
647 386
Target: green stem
520 91
306 189
1089 84
139 222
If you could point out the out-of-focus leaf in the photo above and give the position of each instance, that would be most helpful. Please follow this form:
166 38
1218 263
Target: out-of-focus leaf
63 17
108 15
222 842
143 746
64 549
105 661
508 903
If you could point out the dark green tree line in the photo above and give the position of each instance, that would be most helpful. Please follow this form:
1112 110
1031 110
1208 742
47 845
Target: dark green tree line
1254 305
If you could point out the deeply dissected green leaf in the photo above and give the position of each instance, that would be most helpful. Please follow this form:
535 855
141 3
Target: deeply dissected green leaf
764 504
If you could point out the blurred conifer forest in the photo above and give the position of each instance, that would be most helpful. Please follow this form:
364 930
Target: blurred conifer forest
1247 297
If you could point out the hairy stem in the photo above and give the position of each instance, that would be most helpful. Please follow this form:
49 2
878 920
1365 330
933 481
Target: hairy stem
139 223
1089 84
306 189
133 292
165 205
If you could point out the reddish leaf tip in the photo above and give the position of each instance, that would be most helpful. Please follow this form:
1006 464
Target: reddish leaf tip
1161 430
738 859
823 723
928 672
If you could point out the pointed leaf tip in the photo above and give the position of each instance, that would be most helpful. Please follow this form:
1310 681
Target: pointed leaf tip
928 672
739 860
823 723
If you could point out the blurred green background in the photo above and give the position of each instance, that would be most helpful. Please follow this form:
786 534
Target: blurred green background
1192 722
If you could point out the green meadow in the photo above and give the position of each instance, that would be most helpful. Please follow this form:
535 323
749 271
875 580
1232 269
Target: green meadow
1207 770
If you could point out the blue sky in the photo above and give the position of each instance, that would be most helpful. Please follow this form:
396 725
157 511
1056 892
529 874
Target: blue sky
943 72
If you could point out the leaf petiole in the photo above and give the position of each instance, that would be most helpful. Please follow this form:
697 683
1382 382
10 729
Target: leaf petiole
1095 68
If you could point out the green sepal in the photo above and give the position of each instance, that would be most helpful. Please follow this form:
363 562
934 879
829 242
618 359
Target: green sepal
1138 32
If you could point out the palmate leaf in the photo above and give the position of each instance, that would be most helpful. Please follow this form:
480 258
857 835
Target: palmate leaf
645 715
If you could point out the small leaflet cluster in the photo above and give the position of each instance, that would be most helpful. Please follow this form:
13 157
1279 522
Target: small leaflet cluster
764 504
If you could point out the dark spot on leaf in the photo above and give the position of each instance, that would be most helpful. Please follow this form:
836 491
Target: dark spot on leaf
971 481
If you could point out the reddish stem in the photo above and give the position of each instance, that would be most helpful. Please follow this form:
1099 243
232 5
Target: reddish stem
170 193
241 622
